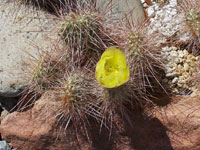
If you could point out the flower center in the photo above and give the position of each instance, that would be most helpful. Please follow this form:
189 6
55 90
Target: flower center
110 68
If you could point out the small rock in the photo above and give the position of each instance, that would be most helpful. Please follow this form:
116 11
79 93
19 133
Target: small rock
179 67
4 146
180 64
162 22
171 74
4 113
186 67
166 49
192 64
175 80
180 54
177 60
185 52
189 57
174 53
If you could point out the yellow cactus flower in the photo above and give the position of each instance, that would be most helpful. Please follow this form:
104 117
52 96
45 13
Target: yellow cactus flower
112 70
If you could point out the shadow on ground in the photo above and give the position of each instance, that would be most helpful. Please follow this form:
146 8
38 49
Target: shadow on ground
144 133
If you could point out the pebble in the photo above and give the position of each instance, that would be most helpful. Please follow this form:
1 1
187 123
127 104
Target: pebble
186 67
171 74
174 53
185 53
180 54
180 69
177 60
4 113
175 80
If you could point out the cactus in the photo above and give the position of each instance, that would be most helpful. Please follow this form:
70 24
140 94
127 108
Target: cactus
76 98
114 91
44 73
125 79
193 20
144 59
86 36
191 11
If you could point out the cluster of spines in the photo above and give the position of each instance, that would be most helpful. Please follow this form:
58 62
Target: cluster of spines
87 35
193 20
191 11
76 98
144 59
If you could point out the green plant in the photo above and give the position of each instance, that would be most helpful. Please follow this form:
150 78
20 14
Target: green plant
76 98
114 90
44 72
144 59
193 20
116 101
191 11
86 36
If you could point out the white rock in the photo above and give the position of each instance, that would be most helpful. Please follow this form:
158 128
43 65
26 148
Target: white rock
180 54
129 8
169 22
175 80
20 33
174 48
185 52
177 60
174 53
186 66
173 74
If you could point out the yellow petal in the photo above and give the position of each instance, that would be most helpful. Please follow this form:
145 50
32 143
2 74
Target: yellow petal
112 70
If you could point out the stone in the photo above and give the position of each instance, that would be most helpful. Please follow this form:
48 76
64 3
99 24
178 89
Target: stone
185 52
182 65
174 53
186 66
171 74
4 113
172 126
21 37
5 146
177 60
175 80
180 54
132 9
190 57
33 130
161 22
